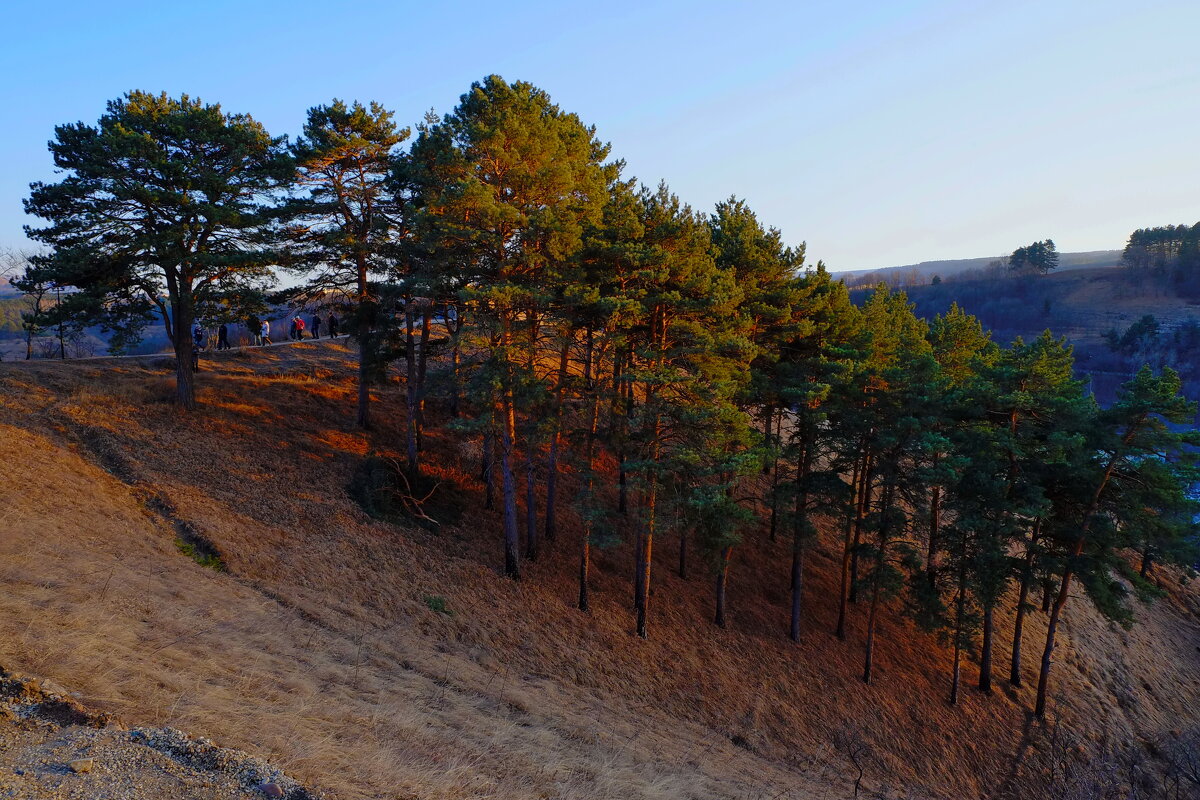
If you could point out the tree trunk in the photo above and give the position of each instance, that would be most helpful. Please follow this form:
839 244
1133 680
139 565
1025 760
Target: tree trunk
555 439
627 389
847 544
956 671
638 573
1064 591
585 553
455 356
185 386
1051 629
487 469
422 368
799 532
864 502
775 476
1047 593
985 658
410 391
648 539
722 577
1014 672
935 507
881 559
363 417
1147 557
512 566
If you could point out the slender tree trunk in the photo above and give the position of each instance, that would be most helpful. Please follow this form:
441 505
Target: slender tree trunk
422 369
410 390
1014 672
881 559
639 574
555 439
775 476
847 544
1051 630
622 479
799 532
512 565
935 507
985 658
487 469
585 551
960 611
864 502
363 417
531 526
455 357
722 578
1047 593
647 551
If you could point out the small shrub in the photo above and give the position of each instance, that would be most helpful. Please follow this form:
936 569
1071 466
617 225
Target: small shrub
208 560
437 603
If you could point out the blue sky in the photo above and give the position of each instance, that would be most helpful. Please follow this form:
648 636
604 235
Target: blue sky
880 133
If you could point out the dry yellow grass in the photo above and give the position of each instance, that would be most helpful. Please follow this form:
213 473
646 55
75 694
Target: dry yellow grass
318 651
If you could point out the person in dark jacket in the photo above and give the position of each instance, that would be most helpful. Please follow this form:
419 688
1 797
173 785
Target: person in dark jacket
316 326
223 337
292 330
333 326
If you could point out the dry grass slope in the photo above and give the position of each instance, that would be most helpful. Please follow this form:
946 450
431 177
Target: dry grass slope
317 649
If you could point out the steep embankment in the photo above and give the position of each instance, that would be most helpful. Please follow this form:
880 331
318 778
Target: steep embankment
319 648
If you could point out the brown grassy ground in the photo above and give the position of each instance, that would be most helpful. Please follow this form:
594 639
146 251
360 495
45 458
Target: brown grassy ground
317 649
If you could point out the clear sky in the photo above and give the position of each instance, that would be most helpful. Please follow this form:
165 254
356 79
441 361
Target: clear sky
881 133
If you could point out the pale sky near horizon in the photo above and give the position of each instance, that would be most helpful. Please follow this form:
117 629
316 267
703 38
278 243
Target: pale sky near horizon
880 133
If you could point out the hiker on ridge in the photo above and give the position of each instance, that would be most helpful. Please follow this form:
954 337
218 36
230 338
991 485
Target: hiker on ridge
265 335
316 326
333 326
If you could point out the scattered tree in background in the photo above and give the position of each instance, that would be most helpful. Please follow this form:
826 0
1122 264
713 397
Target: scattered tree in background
1039 258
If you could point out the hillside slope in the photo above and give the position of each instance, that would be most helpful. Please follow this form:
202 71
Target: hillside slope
319 647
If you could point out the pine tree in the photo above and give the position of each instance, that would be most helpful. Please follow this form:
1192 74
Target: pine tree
1081 529
680 361
165 203
509 181
340 229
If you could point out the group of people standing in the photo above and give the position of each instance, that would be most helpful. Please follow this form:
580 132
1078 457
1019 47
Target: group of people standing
298 326
261 331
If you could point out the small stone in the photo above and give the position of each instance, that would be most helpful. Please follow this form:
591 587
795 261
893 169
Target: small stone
81 765
271 789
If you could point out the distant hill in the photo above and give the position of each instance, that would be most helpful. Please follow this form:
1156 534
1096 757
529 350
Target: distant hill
1089 307
956 266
